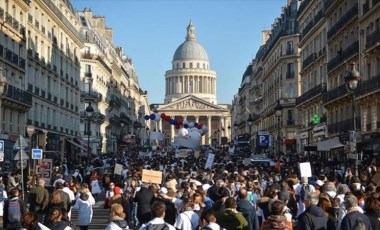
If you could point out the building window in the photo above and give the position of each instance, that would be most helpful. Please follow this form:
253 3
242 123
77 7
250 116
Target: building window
183 65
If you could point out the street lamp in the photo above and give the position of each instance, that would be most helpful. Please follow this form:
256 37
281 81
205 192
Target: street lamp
89 114
3 89
278 111
236 126
121 130
250 122
30 130
229 131
352 79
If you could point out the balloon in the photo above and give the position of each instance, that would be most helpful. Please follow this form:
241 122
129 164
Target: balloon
191 124
167 118
177 126
179 122
163 115
183 132
157 118
146 117
186 126
199 126
195 135
196 124
152 116
173 122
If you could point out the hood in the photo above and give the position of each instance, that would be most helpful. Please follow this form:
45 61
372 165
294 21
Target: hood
277 222
121 223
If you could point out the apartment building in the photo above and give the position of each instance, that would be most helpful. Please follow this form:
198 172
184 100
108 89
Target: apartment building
276 82
55 63
312 116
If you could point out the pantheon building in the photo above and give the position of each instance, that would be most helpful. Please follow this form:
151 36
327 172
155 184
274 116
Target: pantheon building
190 93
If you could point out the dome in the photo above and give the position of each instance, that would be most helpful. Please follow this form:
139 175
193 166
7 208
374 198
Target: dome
190 49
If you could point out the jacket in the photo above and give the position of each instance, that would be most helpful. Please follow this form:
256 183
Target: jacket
249 213
85 211
38 198
230 219
23 210
352 216
313 218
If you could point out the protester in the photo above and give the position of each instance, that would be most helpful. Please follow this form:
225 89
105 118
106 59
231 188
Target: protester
117 218
14 209
85 211
230 218
277 219
354 219
313 217
55 220
38 200
158 212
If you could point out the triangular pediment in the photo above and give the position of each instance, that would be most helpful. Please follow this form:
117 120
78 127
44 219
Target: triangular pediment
191 102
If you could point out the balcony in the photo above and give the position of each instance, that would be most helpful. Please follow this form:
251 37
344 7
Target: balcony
115 101
372 38
90 96
335 93
19 95
352 13
308 95
309 60
344 126
347 53
367 87
96 117
367 7
289 51
290 122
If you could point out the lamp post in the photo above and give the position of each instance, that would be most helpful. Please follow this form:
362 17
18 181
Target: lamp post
229 131
121 130
30 130
352 79
89 113
236 126
278 111
3 89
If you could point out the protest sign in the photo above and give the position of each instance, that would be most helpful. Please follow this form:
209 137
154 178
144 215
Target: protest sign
151 176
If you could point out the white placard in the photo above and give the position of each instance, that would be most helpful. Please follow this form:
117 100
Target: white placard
305 169
118 169
210 160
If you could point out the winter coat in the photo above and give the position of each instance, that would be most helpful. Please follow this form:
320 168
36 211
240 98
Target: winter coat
276 222
85 212
353 214
313 218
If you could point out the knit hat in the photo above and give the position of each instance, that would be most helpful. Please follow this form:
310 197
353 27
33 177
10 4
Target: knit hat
117 190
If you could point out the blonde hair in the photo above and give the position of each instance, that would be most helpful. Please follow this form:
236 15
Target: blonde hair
117 210
56 198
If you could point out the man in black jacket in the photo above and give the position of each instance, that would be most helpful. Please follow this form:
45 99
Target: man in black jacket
144 198
246 207
313 218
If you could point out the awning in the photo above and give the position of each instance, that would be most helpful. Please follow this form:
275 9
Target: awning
77 145
329 144
289 141
82 142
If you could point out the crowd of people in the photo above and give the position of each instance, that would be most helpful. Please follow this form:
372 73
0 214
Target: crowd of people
231 194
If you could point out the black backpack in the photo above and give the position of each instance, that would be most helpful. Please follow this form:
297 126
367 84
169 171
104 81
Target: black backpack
157 227
305 190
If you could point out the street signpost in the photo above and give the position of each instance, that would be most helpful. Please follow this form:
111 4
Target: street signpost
36 154
2 150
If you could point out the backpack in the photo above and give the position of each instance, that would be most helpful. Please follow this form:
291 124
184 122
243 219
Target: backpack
157 227
359 224
14 211
304 191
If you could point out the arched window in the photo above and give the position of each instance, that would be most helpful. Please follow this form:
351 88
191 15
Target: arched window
191 65
183 65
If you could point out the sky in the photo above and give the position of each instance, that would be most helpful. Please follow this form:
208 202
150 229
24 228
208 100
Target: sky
151 30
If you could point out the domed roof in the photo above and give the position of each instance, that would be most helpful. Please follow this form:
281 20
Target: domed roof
190 49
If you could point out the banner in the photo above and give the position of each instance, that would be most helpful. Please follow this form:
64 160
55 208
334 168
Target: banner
45 172
210 161
305 169
118 169
151 176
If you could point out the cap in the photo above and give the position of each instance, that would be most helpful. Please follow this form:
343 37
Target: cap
236 172
319 183
225 171
163 190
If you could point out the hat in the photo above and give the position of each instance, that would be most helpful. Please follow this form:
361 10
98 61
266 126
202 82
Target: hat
163 190
236 172
117 190
319 183
225 171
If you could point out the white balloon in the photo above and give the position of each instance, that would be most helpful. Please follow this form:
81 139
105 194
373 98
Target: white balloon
191 124
158 118
195 135
182 132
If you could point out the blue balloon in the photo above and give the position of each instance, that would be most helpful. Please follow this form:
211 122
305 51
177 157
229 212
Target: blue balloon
173 122
153 116
196 125
186 126
146 117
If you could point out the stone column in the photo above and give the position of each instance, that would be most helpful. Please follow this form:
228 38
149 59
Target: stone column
226 134
209 129
160 125
171 133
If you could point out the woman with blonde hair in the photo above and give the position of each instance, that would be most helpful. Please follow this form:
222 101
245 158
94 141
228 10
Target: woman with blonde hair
117 217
